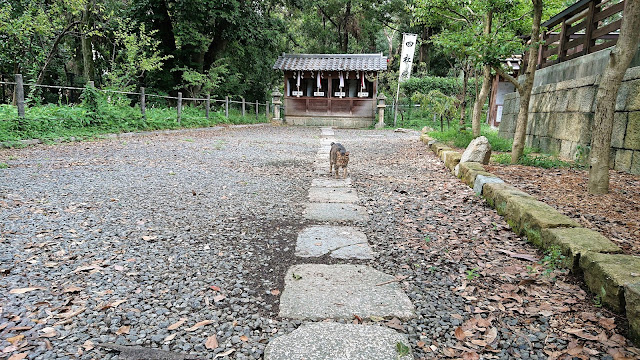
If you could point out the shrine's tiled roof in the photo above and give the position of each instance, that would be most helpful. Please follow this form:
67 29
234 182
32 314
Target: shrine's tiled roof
322 62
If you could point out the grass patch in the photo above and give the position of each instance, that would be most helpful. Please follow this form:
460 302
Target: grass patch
544 161
461 139
50 122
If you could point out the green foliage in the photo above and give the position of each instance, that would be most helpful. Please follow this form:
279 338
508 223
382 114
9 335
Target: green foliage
472 274
446 85
3 165
461 139
402 349
52 122
553 260
538 160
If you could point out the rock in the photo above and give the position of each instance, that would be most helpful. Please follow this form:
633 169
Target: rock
481 180
606 275
575 241
479 150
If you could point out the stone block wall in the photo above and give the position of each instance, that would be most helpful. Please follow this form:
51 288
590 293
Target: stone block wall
561 117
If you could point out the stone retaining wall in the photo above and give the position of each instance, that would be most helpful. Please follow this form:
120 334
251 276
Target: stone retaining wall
561 117
612 276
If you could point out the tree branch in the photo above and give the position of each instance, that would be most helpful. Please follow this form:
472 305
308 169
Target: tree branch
53 50
512 20
500 70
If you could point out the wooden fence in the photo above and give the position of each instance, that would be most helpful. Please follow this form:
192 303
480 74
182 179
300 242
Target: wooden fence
583 28
20 103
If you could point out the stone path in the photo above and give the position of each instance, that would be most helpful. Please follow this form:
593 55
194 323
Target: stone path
317 292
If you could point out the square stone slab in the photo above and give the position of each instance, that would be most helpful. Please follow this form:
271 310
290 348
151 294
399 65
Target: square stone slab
333 195
331 341
316 292
331 182
343 242
335 212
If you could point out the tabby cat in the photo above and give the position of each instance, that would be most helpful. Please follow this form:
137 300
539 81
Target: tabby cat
338 158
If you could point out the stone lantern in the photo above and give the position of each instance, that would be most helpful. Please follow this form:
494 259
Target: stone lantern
276 102
381 106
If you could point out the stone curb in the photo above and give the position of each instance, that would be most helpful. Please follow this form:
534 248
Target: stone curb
32 142
613 277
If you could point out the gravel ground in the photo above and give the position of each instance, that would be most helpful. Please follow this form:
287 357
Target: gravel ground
117 240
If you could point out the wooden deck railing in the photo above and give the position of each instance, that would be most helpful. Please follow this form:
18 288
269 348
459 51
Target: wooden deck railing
583 28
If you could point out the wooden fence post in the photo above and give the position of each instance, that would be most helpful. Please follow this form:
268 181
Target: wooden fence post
4 89
257 110
226 106
20 95
143 103
179 106
243 107
208 105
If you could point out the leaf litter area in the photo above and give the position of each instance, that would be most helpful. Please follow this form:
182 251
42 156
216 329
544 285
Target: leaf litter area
481 291
616 215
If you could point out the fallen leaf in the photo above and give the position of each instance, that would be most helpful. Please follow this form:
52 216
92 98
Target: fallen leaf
118 267
519 256
491 335
421 344
24 290
223 354
219 298
212 342
199 325
88 345
275 292
123 330
214 288
69 314
113 304
72 289
88 268
170 337
581 334
607 323
459 333
48 332
470 356
244 338
18 356
149 238
15 339
177 324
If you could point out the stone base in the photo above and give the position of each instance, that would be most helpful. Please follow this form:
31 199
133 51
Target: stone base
339 122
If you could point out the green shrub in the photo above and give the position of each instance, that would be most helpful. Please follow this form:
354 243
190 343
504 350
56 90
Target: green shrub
461 139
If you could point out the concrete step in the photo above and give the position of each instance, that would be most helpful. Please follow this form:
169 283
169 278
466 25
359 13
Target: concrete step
332 341
338 212
317 292
333 195
343 242
330 182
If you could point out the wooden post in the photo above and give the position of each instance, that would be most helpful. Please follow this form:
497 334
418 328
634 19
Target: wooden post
243 107
143 103
3 89
591 26
257 111
226 106
20 95
179 106
562 42
208 105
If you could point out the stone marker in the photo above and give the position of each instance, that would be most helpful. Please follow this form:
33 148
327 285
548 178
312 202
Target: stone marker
341 242
480 180
331 182
335 212
332 341
333 195
317 292
479 150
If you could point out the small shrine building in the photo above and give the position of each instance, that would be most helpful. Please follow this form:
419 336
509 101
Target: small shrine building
330 89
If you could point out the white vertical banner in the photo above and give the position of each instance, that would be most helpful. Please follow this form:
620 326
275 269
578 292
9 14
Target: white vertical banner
406 59
406 63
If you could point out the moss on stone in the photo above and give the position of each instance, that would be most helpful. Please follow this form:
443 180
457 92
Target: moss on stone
632 306
607 274
575 241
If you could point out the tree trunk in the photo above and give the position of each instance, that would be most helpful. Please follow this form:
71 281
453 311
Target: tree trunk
486 83
525 90
619 60
52 51
87 48
463 102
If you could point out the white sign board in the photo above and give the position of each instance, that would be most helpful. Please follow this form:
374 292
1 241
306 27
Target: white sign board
406 59
363 94
296 93
318 93
339 94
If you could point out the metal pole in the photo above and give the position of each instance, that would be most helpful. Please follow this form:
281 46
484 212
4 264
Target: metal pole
20 95
208 105
226 106
179 106
143 103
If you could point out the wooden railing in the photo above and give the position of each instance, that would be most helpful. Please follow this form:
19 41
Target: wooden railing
583 28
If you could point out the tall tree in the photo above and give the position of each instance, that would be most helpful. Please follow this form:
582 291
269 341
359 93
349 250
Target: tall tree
619 60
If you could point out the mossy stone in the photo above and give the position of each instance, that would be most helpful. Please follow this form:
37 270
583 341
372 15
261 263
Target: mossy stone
451 159
632 306
575 241
607 274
